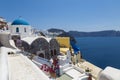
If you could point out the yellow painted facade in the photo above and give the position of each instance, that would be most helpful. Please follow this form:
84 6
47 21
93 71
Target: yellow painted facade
63 41
64 50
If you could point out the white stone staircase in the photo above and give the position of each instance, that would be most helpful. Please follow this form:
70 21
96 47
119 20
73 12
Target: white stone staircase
6 41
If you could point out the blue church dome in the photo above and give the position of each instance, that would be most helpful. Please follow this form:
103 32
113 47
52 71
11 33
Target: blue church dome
20 21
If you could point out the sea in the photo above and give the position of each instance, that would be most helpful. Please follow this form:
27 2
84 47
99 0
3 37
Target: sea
101 51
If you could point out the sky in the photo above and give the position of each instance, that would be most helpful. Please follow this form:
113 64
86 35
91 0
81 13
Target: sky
79 15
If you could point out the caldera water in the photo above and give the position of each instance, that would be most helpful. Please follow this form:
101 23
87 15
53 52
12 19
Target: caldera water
101 51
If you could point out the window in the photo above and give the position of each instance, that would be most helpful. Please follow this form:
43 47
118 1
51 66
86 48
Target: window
41 55
17 29
52 54
24 29
55 53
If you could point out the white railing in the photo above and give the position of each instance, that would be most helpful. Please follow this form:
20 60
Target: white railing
41 60
1 31
4 73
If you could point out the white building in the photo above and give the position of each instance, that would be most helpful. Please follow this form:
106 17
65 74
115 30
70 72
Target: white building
20 27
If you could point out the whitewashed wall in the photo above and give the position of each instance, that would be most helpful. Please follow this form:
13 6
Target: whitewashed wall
4 73
22 32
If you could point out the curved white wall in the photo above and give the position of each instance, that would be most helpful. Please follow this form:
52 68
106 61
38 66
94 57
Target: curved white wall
22 31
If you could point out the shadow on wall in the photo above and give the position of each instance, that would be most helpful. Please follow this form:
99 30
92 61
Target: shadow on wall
0 44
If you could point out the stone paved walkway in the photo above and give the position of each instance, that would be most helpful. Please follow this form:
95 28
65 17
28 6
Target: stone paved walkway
20 69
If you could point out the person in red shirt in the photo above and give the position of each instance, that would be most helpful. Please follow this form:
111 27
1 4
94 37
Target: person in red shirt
52 72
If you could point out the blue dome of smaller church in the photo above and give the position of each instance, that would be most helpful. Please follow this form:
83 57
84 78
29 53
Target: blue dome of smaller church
20 21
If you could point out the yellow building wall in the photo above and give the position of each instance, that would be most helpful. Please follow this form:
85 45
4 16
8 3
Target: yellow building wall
63 41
